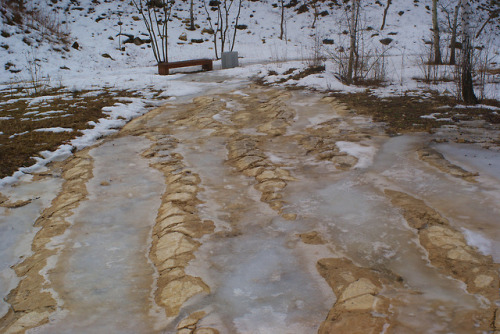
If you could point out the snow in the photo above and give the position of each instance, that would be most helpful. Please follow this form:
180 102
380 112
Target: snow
55 130
365 154
18 134
431 116
478 106
476 239
42 99
45 113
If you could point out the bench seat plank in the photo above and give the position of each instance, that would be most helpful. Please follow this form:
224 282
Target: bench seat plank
163 68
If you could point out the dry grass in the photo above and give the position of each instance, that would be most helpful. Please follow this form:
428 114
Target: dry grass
403 113
19 142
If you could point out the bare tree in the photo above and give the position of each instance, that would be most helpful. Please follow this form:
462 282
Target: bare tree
227 19
453 42
386 10
156 15
466 81
353 37
435 31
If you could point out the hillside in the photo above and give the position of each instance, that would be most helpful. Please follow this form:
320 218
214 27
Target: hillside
47 30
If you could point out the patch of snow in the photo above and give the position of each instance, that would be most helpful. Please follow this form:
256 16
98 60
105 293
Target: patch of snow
239 92
42 99
18 134
475 239
51 112
365 154
55 130
431 116
477 106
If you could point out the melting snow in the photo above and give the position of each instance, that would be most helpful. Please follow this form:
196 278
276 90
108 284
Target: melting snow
365 154
56 130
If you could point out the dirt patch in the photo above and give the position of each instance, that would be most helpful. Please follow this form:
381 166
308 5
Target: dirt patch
22 118
404 113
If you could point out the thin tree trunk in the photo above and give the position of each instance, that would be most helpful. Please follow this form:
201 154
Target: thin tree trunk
453 42
236 24
435 31
140 9
493 15
467 84
214 32
191 16
282 18
353 35
315 14
386 10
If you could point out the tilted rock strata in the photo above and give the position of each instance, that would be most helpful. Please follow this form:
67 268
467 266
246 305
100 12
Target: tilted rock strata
436 159
360 308
244 154
31 302
448 251
190 325
177 228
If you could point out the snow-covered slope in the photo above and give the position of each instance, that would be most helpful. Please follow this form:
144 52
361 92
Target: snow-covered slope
94 26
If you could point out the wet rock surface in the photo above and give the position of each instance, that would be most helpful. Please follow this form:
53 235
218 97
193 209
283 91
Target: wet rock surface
263 210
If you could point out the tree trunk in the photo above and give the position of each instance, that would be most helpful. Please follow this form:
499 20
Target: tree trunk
435 31
467 84
453 41
191 16
235 25
282 18
386 10
353 32
315 14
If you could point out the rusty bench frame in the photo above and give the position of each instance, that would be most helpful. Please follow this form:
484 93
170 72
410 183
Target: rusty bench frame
164 68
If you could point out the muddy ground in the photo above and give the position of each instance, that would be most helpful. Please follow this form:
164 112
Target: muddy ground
259 210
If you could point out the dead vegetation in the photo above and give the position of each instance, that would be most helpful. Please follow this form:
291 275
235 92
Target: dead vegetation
410 113
22 118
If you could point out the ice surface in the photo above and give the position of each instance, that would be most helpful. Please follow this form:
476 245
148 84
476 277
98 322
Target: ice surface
259 282
473 158
16 228
474 206
103 276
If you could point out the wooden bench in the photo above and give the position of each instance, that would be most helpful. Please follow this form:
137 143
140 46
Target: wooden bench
206 64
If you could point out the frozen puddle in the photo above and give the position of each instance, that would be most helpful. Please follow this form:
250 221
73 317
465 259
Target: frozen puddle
103 276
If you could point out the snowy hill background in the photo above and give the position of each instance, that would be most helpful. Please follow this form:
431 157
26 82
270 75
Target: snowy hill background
95 26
